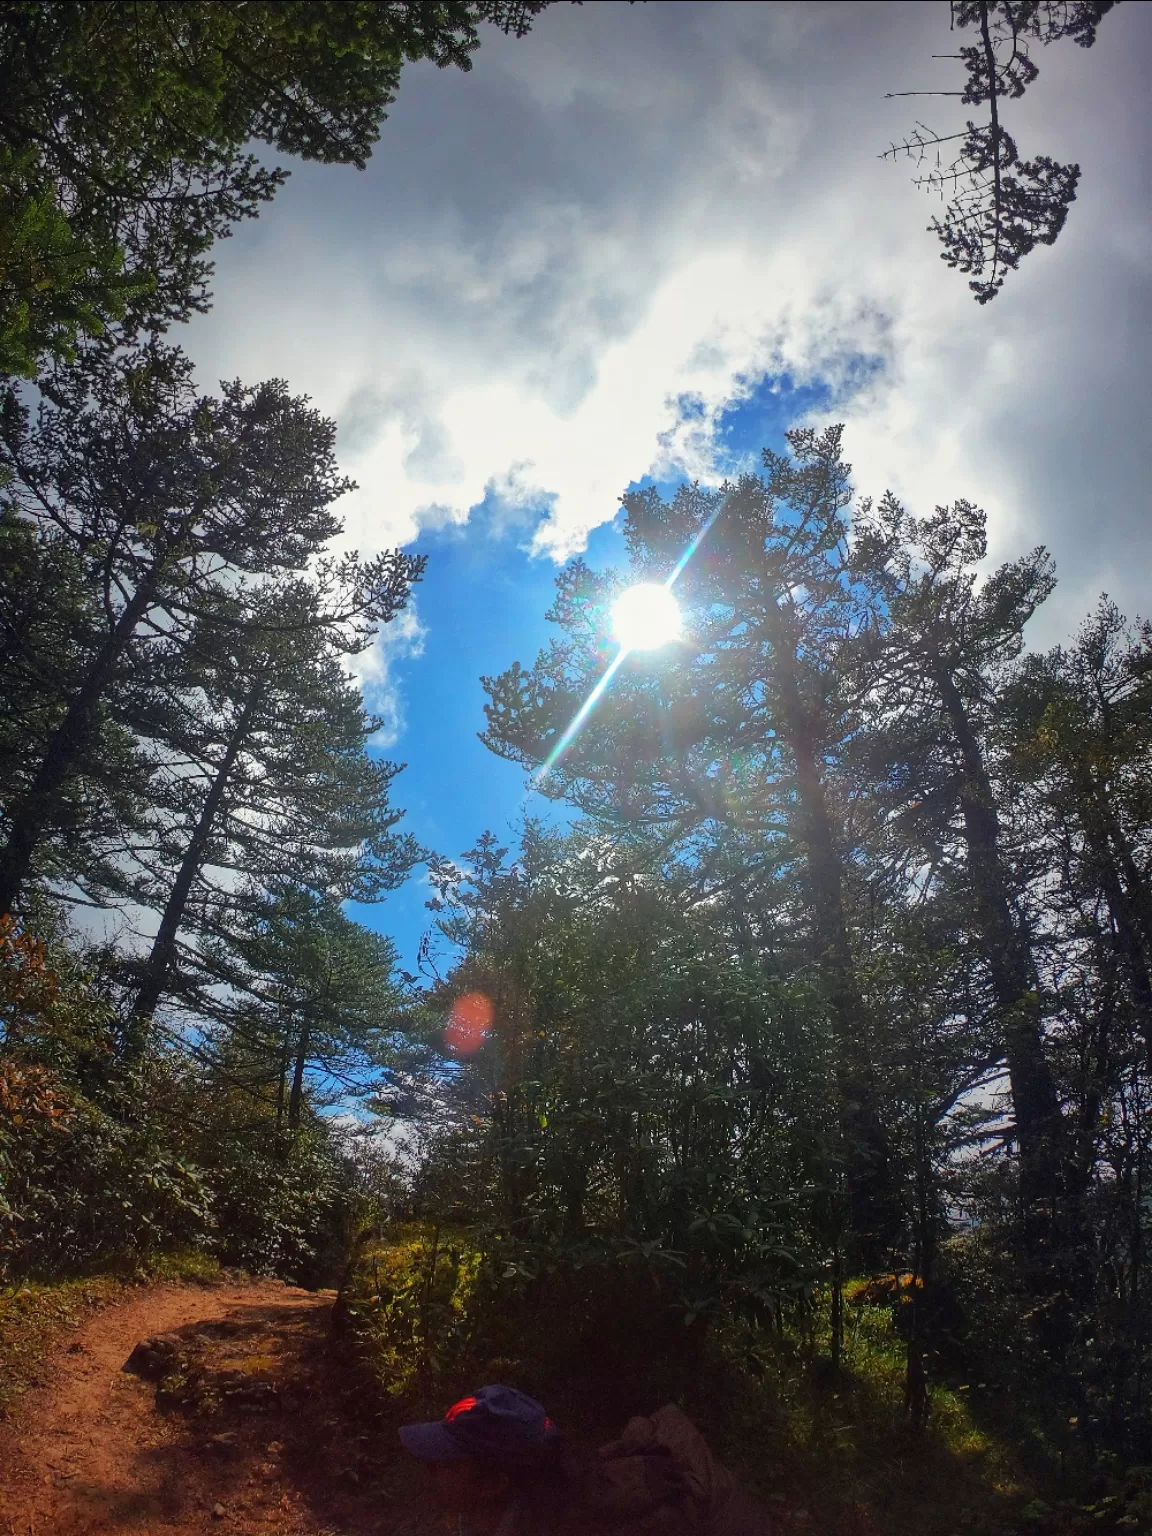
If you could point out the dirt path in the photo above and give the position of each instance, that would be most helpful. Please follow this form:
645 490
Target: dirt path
245 1434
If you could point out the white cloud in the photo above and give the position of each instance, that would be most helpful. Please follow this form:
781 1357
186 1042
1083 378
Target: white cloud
401 640
641 203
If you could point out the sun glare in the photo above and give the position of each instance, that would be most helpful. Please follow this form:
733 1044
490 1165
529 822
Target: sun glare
645 617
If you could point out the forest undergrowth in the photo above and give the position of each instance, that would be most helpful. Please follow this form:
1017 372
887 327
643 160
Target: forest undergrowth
427 1317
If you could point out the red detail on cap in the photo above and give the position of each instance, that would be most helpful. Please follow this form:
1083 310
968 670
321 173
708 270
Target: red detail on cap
463 1406
547 1422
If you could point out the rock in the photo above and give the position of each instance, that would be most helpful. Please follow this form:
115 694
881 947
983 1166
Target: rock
254 1396
218 1511
155 1357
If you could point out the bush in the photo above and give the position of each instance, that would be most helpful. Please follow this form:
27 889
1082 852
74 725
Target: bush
104 1165
277 1202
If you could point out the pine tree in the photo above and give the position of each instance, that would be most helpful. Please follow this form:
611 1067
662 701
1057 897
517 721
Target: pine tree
1000 207
268 779
318 1000
1082 719
165 498
944 656
49 620
737 729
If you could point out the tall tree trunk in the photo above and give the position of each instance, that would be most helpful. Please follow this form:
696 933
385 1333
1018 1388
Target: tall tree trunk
163 952
1097 1074
873 1202
1127 897
296 1097
282 1082
33 814
1039 1127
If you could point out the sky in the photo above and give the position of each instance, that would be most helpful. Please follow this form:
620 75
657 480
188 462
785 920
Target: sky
637 245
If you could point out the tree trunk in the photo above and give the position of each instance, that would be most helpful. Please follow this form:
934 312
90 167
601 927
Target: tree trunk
872 1200
1014 982
282 1084
1127 899
33 814
296 1097
159 962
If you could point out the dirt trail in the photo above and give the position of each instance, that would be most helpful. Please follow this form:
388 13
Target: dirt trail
248 1436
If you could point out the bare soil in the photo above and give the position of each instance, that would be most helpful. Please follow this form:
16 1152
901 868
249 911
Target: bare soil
248 1431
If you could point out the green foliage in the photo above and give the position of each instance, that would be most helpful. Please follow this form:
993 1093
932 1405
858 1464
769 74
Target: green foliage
629 1102
273 1200
200 716
855 859
182 732
97 1189
320 1001
151 497
432 1312
107 1166
412 1304
49 626
273 813
125 141
55 287
88 1177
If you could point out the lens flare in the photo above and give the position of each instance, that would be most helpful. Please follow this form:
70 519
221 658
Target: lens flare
664 604
468 1024
645 617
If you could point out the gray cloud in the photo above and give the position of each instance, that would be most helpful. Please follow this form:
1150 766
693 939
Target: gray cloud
638 202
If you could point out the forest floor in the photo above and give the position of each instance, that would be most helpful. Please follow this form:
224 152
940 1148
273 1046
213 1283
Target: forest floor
255 1420
248 1435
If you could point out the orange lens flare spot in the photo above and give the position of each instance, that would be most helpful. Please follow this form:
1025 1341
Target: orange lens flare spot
468 1024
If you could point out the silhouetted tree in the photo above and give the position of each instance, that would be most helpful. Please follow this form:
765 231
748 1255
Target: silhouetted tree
320 996
1000 207
164 498
267 778
946 644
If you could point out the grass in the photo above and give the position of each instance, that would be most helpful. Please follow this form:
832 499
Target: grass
34 1315
836 1446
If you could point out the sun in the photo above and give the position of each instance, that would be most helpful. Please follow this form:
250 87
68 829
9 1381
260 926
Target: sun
645 617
